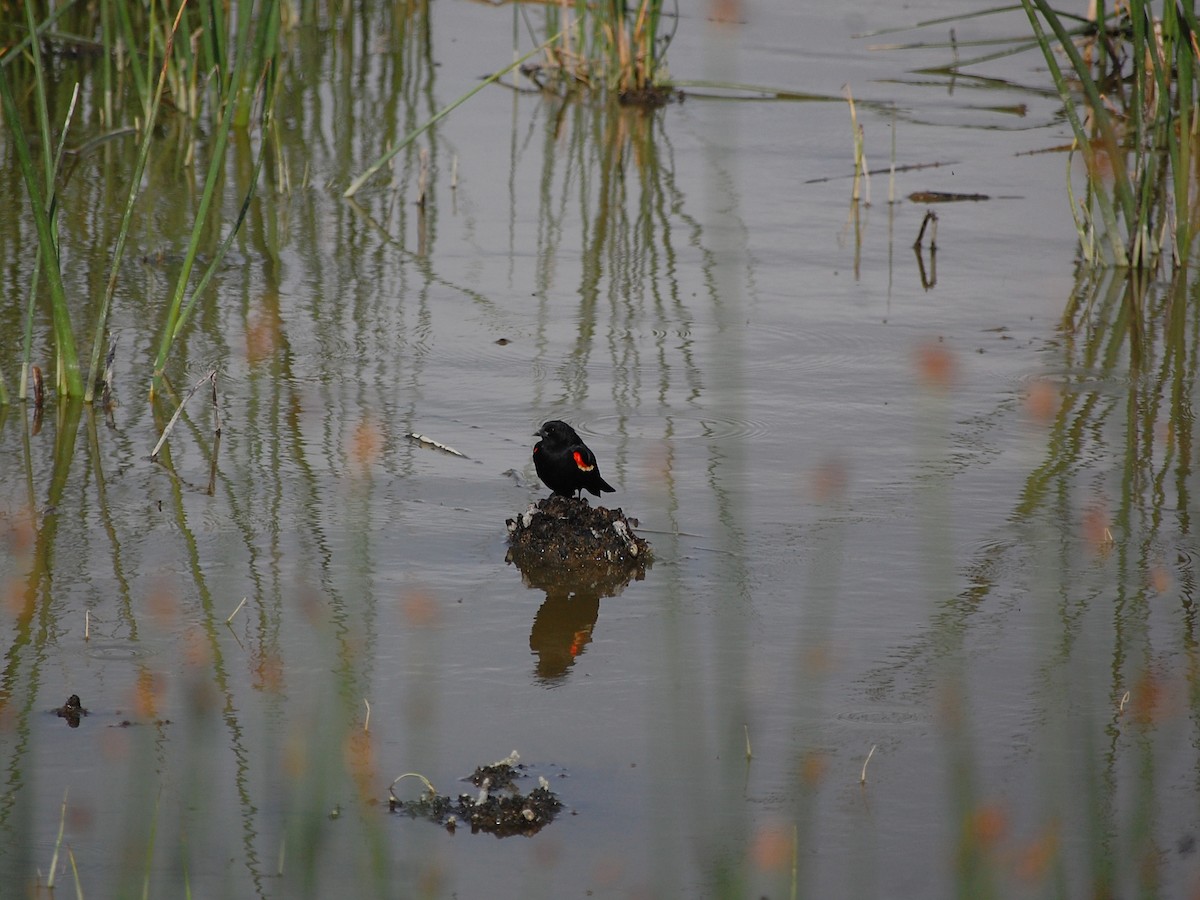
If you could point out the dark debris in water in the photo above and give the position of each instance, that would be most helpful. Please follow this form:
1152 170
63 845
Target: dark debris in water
569 533
498 776
649 97
498 808
72 711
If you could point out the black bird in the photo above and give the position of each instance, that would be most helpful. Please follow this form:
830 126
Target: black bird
565 463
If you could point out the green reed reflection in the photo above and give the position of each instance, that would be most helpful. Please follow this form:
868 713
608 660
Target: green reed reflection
1103 527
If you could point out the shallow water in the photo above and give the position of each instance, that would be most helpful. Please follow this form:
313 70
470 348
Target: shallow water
878 507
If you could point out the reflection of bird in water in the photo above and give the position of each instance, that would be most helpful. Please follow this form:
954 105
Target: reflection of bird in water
564 462
561 629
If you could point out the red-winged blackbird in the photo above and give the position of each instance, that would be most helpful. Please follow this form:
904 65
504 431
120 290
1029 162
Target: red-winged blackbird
564 462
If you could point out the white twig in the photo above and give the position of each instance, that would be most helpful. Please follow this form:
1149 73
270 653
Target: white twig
862 779
428 784
211 376
236 611
436 445
62 824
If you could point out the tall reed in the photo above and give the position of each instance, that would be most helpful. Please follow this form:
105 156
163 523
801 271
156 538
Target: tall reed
1135 129
256 46
42 199
215 77
612 45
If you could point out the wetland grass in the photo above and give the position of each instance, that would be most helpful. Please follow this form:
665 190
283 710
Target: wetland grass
43 205
1128 91
1127 79
216 78
611 46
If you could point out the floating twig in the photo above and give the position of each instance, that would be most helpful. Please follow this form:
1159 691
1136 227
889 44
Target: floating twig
87 625
62 824
946 197
211 376
862 779
236 611
436 445
910 167
367 720
749 755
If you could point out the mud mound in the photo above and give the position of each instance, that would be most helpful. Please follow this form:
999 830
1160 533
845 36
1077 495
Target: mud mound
570 533
499 808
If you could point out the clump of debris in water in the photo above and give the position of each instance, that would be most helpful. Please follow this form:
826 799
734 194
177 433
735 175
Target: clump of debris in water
498 807
570 533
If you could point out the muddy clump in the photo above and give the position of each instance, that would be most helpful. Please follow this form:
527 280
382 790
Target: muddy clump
569 533
498 808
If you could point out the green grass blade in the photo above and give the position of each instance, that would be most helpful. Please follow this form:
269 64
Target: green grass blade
959 65
98 340
107 39
1124 189
141 77
1107 211
27 337
172 325
70 382
382 161
941 20
215 263
1182 158
39 94
61 318
1179 145
242 91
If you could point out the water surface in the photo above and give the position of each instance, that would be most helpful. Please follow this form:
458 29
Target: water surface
877 484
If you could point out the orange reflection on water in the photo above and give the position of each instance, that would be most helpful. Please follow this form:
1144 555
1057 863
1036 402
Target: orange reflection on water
936 365
772 846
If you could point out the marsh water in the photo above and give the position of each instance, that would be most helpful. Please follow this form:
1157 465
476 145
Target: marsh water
921 618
